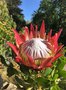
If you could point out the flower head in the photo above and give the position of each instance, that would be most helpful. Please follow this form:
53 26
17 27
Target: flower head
36 49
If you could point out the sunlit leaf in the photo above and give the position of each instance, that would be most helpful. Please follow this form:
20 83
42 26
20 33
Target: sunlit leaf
48 71
55 87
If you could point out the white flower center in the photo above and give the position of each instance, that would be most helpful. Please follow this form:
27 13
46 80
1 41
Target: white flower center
36 48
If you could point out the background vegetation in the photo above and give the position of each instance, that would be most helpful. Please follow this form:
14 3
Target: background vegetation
11 16
53 12
16 13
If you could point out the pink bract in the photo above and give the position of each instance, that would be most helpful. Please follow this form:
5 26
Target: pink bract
36 49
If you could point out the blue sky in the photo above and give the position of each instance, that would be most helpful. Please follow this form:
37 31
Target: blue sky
29 6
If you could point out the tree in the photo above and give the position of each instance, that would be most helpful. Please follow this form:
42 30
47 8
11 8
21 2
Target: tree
53 12
16 12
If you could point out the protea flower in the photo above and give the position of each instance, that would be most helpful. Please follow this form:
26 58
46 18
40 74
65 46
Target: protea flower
36 49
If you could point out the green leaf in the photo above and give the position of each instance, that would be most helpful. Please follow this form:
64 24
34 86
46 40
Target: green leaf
42 81
55 76
48 71
61 67
30 80
56 87
62 73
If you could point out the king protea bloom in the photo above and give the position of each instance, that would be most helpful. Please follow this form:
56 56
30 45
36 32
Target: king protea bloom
36 49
